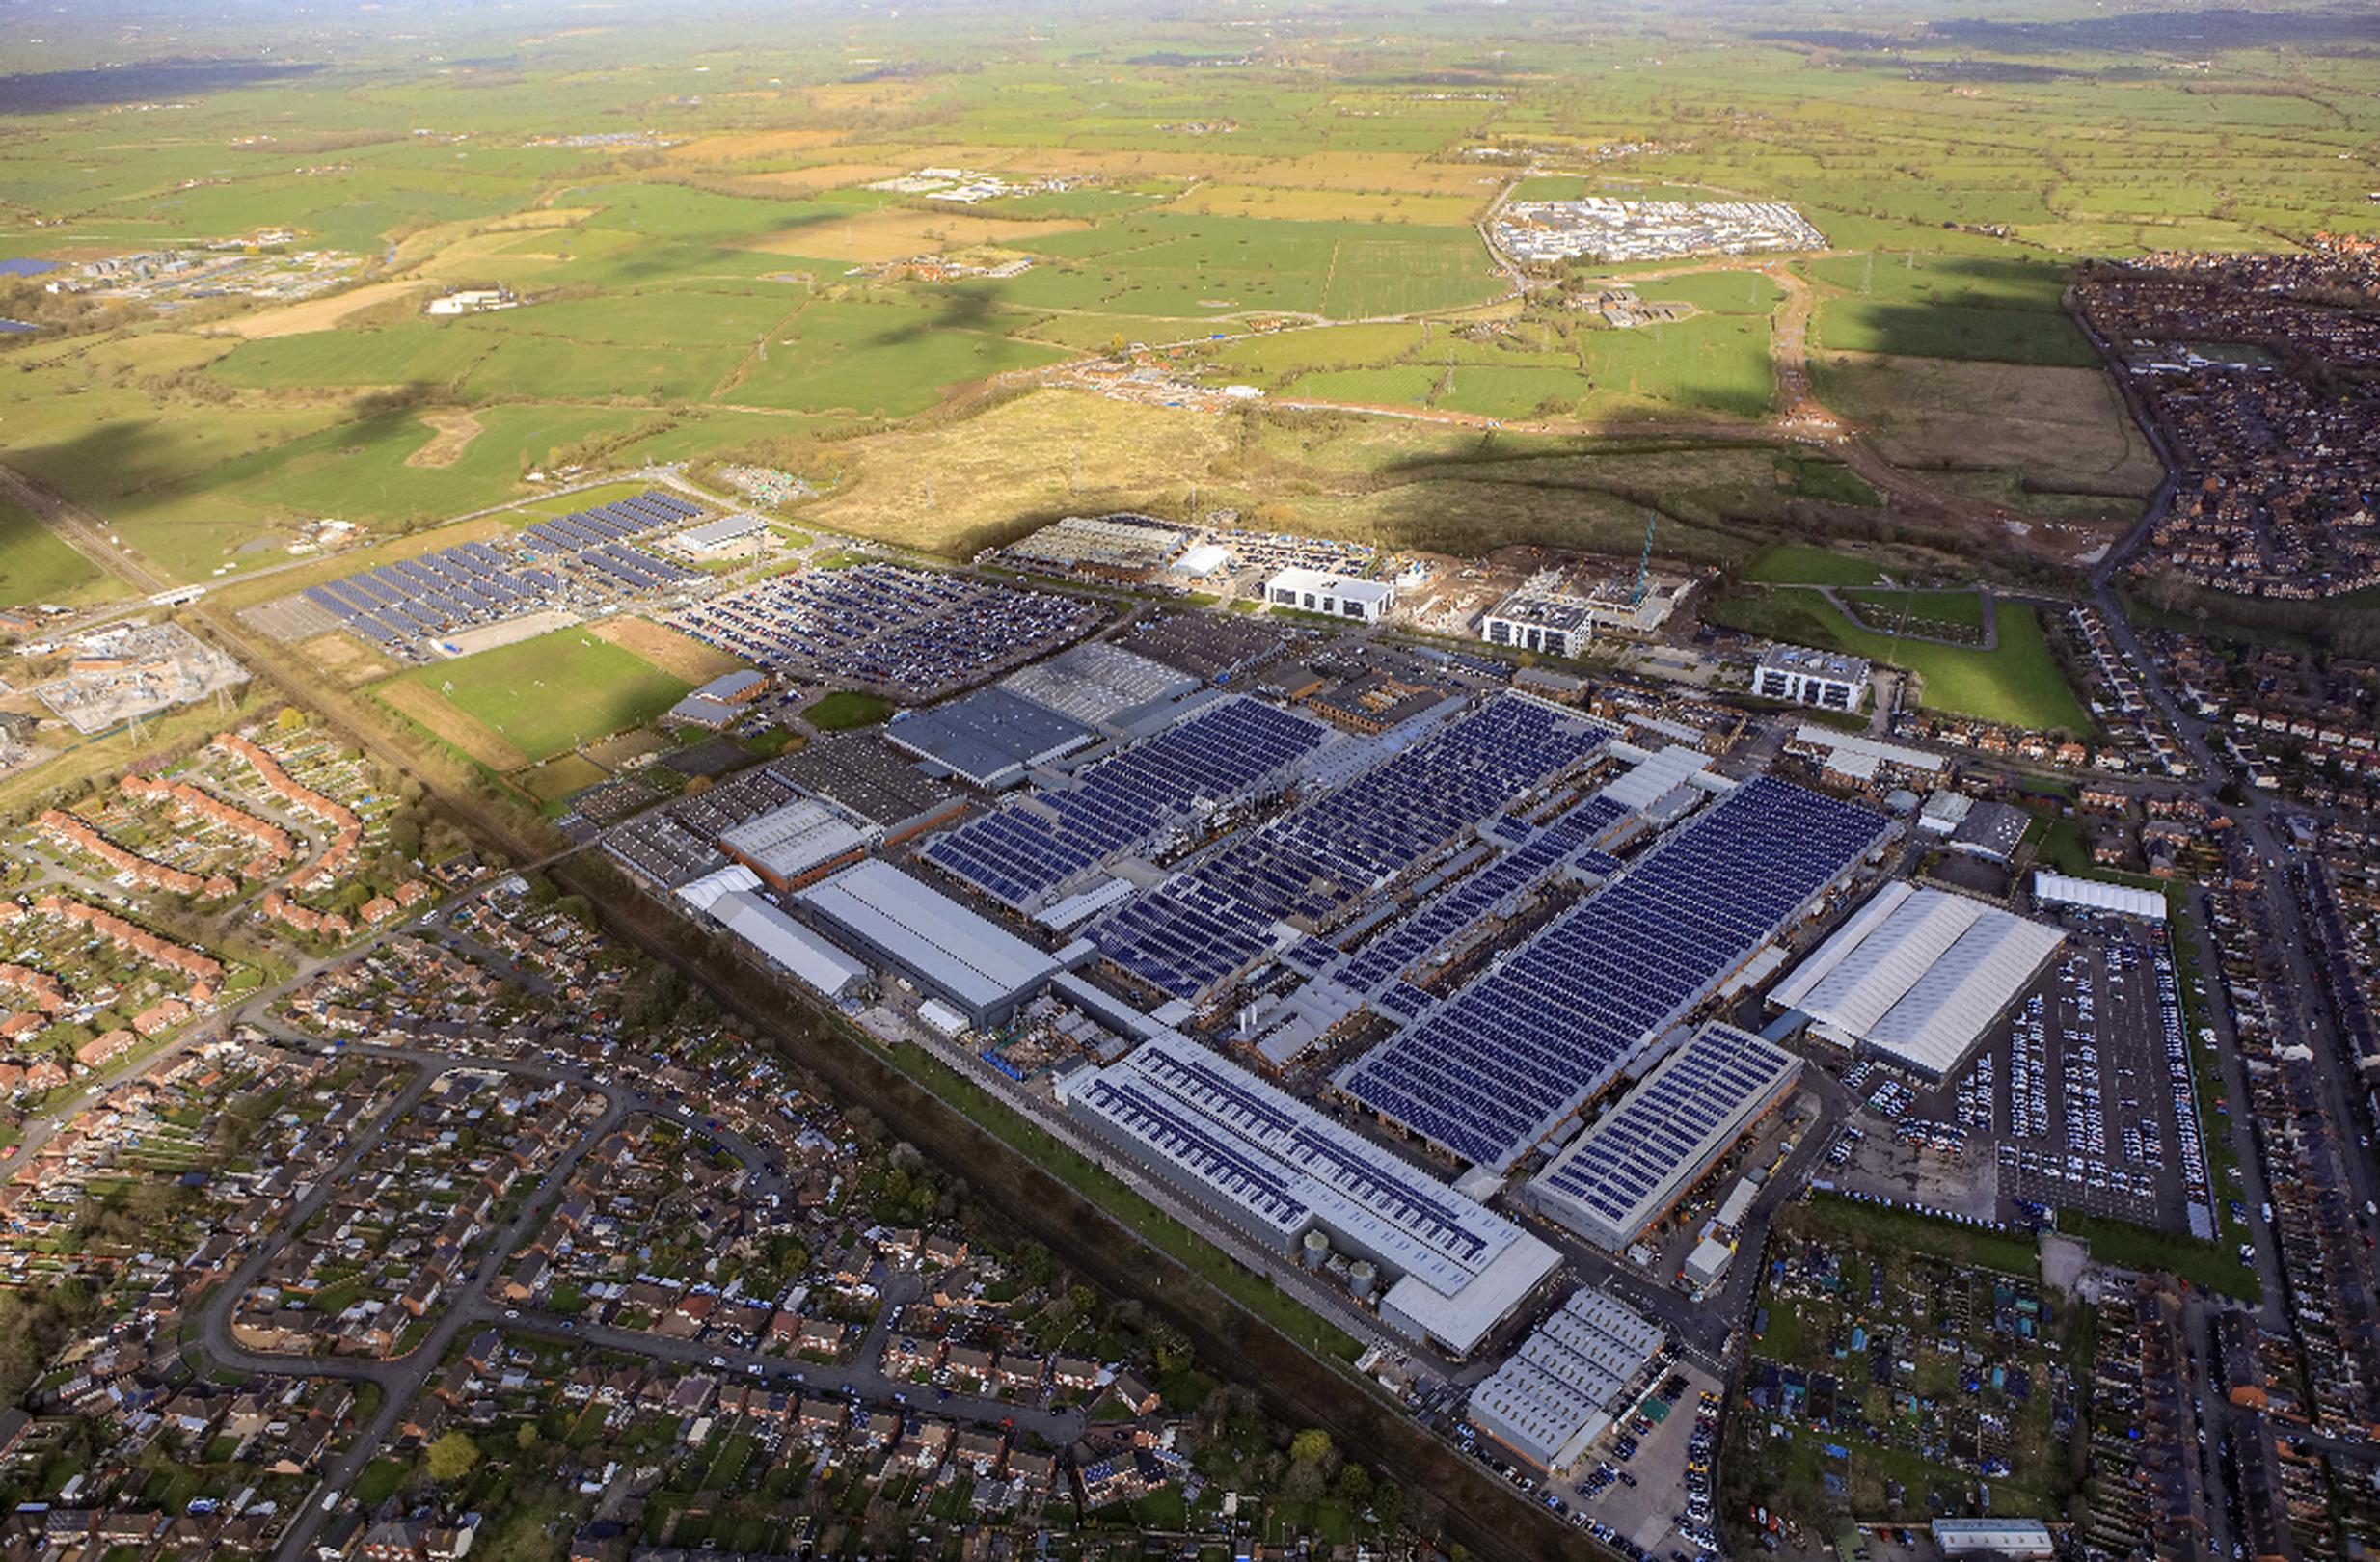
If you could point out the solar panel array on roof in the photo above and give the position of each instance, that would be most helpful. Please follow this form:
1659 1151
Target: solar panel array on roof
1492 891
1182 936
1632 1163
1494 1070
475 583
1019 855
1351 840
1278 1167
1198 928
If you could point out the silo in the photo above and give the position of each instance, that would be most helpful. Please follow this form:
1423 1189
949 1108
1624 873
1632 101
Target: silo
1362 1279
1314 1250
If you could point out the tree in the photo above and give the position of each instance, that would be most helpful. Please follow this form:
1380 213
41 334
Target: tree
1303 1483
526 1438
1311 1446
451 1458
1354 1486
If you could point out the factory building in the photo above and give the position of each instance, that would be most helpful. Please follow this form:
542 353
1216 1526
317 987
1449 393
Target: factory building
1338 596
1293 1181
988 739
1917 976
2095 895
799 842
1825 679
1629 1167
981 970
1569 1381
811 960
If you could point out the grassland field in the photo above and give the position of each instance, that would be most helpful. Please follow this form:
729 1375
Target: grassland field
2018 682
546 696
716 294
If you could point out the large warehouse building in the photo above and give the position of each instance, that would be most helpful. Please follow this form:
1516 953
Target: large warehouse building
1918 976
1277 1171
1490 1072
1563 1387
1634 1162
980 968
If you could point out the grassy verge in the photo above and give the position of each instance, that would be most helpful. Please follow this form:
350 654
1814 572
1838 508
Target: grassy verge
1908 1231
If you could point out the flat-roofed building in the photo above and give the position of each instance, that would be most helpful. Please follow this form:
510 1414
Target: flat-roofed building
1916 976
1994 1537
812 960
803 840
1827 679
1629 1167
1556 1395
981 969
1335 596
1552 623
991 738
1276 1170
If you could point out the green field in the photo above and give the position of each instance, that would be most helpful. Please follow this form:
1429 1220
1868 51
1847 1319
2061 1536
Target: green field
548 695
845 711
736 284
38 566
2018 683
1803 564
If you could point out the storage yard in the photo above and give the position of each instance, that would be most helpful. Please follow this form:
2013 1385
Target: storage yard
1600 230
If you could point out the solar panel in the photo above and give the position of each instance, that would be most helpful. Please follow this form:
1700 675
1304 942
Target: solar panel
1495 1068
1122 804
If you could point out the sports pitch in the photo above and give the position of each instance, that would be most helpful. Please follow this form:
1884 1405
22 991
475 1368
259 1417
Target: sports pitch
541 697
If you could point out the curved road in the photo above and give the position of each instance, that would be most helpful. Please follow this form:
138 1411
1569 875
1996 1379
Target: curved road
400 1379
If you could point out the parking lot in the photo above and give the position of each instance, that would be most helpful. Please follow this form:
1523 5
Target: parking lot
1659 1499
2079 1093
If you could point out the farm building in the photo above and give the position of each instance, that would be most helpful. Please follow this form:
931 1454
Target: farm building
1631 1165
1282 1173
1918 975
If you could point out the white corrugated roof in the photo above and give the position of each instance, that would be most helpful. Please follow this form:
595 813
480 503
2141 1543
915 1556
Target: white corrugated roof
930 935
703 891
1920 973
2096 895
813 961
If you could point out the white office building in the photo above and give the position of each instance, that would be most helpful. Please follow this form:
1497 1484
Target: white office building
1827 679
1554 624
1338 596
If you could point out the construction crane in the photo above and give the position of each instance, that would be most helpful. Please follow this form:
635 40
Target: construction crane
1644 561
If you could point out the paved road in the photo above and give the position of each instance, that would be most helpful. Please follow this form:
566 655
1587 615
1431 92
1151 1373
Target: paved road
401 1380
